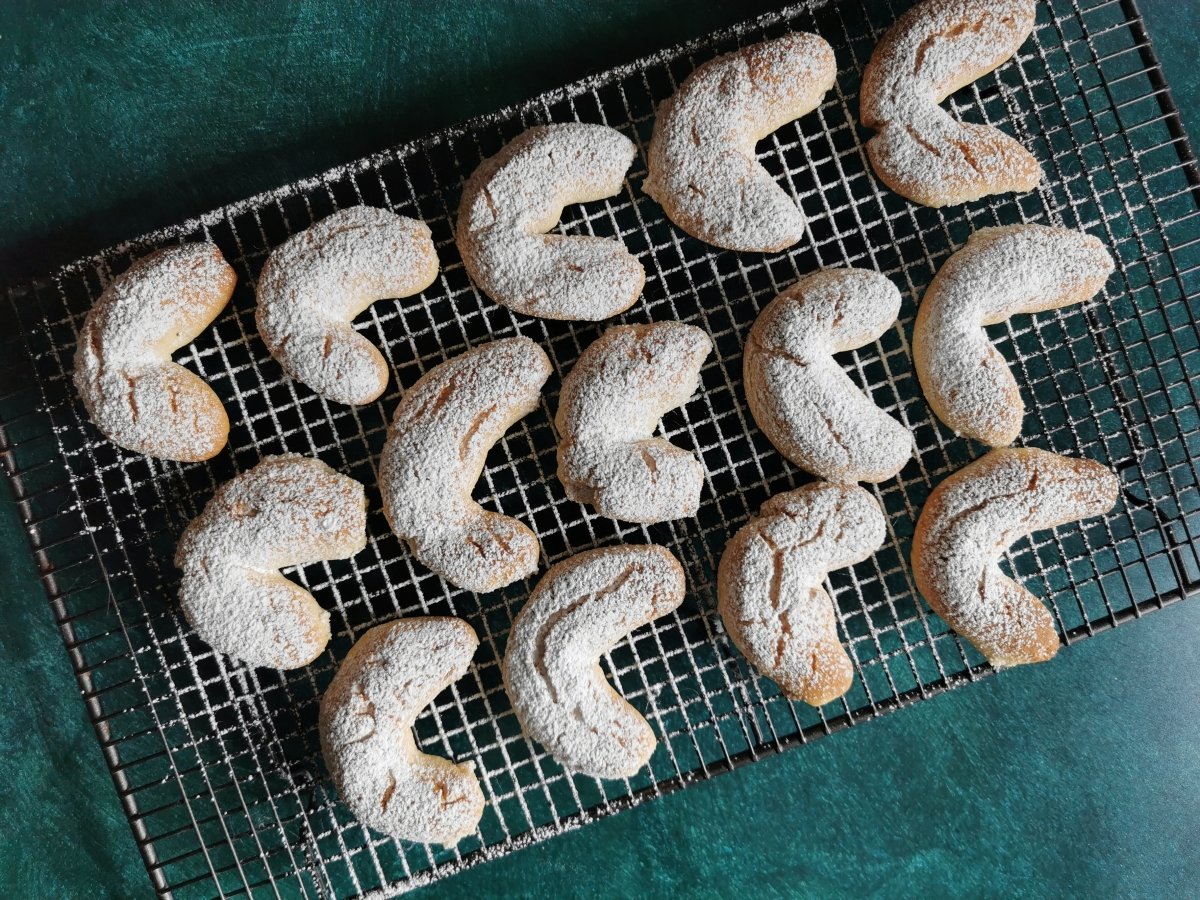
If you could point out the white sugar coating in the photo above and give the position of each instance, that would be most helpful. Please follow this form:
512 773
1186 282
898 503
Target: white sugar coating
806 405
701 161
610 405
973 516
578 611
133 393
436 447
998 273
390 674
317 281
287 511
516 196
769 585
936 48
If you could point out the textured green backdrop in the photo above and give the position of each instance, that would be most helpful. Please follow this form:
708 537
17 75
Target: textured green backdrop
1078 777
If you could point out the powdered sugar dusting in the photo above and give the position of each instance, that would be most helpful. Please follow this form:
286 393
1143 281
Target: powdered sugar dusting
317 281
133 393
516 196
922 152
800 397
701 160
769 585
435 451
287 511
999 273
581 607
392 673
969 520
610 405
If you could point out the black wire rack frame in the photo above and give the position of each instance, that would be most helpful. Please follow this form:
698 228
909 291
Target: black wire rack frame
218 766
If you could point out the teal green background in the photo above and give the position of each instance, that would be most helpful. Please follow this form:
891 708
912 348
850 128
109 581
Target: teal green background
1081 776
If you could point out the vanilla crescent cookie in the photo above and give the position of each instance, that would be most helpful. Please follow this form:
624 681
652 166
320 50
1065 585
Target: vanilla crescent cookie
769 585
133 393
578 611
435 450
800 397
973 516
921 152
286 511
610 405
1000 272
702 166
516 196
317 281
390 674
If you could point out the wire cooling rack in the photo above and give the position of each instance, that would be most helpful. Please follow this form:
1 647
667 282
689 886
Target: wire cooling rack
218 766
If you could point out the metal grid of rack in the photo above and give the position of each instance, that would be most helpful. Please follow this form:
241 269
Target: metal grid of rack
218 766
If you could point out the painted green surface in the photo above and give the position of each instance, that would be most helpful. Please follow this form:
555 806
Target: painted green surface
1078 777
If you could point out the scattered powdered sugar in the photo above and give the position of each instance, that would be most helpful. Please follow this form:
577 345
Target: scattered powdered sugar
611 404
317 281
436 447
769 585
800 397
132 391
1000 272
934 49
516 196
969 520
581 607
286 511
702 166
390 674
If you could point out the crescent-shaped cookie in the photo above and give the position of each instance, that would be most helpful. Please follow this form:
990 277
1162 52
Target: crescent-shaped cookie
317 281
1000 272
390 674
701 161
922 152
800 397
769 585
610 405
286 511
972 517
552 673
133 393
516 196
435 450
